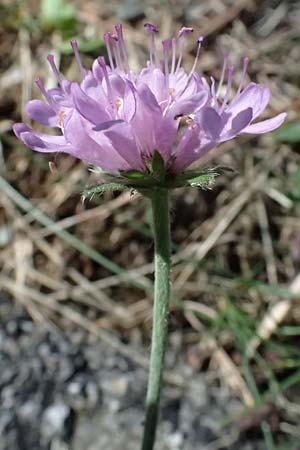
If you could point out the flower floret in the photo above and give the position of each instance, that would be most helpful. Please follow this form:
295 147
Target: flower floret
116 119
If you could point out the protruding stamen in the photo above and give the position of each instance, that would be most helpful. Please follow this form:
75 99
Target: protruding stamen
74 46
213 92
199 42
229 84
182 35
166 46
117 53
119 31
40 84
107 39
174 45
225 61
245 65
102 64
54 68
153 54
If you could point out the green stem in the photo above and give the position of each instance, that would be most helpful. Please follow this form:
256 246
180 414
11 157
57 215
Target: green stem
161 226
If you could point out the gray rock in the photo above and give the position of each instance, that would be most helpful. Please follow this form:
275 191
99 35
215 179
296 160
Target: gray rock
68 391
54 419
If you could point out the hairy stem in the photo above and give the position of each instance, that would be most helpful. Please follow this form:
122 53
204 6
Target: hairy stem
161 228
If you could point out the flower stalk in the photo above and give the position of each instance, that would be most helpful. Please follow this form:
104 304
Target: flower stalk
161 228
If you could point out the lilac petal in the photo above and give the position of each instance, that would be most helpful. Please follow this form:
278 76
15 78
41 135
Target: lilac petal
58 98
238 124
147 99
89 82
66 86
106 125
165 136
191 88
48 144
19 128
39 141
150 128
185 152
121 139
191 155
178 81
266 125
87 107
129 103
255 96
147 119
42 113
92 146
211 122
97 71
93 89
117 84
155 80
188 105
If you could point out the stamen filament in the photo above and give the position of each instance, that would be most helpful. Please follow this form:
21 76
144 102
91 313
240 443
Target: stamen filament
182 44
174 45
199 41
117 54
40 84
119 30
245 65
153 53
166 46
54 69
213 91
74 46
102 64
228 90
107 39
225 61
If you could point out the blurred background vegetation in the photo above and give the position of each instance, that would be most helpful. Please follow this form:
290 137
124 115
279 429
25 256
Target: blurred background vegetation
236 273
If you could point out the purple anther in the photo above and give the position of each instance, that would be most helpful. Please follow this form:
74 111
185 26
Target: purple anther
151 28
185 31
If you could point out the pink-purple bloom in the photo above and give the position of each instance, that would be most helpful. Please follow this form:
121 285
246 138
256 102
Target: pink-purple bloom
115 119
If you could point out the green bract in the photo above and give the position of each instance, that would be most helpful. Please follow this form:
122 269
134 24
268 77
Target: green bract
157 176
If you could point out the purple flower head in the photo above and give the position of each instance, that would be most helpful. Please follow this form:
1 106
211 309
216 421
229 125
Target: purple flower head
116 119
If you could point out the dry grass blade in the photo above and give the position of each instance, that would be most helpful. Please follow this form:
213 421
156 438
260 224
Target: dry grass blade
255 182
278 197
26 68
115 280
274 316
100 213
267 241
47 301
199 251
42 218
107 304
231 376
19 223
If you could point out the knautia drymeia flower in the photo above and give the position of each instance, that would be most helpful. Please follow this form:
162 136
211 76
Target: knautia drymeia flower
117 119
